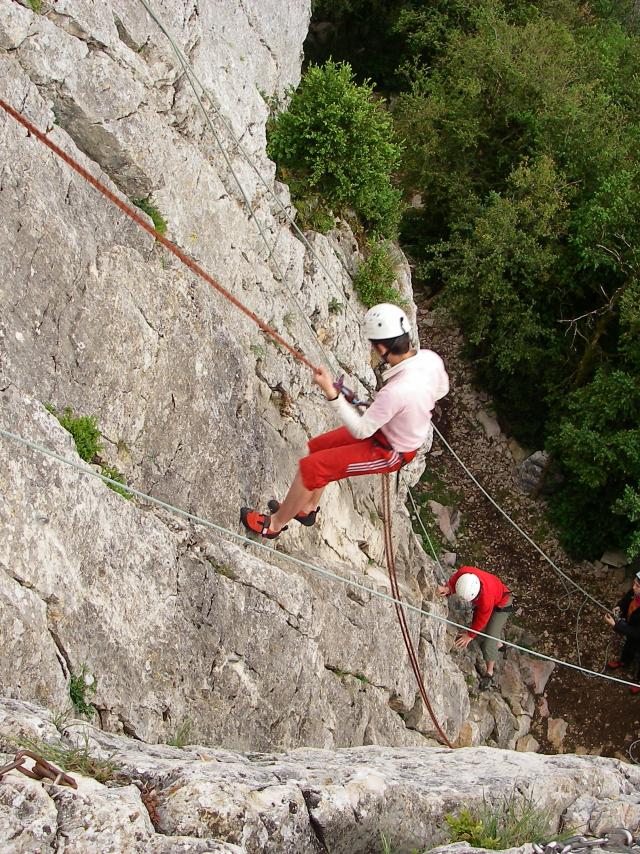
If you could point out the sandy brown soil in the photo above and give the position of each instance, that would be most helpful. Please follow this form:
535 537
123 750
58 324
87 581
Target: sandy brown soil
603 717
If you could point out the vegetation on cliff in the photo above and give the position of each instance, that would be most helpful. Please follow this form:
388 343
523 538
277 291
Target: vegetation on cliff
521 133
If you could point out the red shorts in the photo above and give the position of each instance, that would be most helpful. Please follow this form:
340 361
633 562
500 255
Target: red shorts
335 455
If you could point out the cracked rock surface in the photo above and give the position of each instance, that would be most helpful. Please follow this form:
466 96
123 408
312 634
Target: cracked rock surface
202 799
196 407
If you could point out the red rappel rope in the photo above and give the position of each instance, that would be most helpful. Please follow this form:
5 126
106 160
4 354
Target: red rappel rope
395 592
189 262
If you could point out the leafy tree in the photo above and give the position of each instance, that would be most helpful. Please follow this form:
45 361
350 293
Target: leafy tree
598 443
334 139
500 270
524 139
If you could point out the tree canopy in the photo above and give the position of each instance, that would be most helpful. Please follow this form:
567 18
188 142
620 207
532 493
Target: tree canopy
521 136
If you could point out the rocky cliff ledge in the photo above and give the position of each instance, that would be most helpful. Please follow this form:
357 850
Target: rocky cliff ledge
164 799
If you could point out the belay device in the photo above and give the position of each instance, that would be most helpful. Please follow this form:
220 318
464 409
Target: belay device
349 395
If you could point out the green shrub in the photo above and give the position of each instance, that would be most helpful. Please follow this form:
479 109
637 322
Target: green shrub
374 280
84 430
335 140
113 473
159 222
511 823
313 214
79 689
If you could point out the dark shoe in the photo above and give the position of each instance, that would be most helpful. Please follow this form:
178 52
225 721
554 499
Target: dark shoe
258 523
485 682
306 519
615 665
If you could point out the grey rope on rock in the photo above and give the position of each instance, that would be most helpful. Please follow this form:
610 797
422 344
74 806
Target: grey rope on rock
318 570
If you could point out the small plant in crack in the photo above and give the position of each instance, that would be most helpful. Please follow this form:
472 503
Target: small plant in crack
183 734
222 569
36 6
81 686
86 435
159 222
84 430
113 474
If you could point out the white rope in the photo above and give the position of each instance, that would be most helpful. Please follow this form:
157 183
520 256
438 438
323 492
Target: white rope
248 158
325 573
522 532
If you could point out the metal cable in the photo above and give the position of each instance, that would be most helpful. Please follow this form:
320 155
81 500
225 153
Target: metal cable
248 158
325 573
563 575
252 214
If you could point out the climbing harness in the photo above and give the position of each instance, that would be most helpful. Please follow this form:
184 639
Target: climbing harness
618 839
40 770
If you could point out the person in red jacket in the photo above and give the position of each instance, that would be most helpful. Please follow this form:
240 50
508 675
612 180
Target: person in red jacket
492 604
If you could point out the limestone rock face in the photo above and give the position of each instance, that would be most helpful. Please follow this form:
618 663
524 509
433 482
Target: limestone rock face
175 623
196 406
297 802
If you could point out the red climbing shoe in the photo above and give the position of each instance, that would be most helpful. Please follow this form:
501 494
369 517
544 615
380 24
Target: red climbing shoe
635 689
258 523
614 665
306 519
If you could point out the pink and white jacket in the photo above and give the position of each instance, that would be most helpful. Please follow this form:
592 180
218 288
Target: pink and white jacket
402 408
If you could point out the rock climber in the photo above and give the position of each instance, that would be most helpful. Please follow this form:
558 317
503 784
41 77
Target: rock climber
492 604
383 439
627 623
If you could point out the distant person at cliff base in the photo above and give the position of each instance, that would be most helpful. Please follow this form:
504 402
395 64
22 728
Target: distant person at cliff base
492 604
627 623
386 437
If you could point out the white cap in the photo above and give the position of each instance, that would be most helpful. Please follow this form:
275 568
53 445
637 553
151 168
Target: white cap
468 586
385 321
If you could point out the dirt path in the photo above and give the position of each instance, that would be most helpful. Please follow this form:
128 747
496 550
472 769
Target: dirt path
602 717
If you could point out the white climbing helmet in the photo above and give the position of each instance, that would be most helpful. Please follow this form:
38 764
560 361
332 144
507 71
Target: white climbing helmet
385 321
468 586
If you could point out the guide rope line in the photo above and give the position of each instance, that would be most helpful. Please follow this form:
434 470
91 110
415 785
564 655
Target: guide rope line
252 214
520 530
441 573
189 262
395 592
318 570
191 75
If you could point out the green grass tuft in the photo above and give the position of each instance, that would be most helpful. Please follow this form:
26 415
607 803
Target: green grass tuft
159 222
